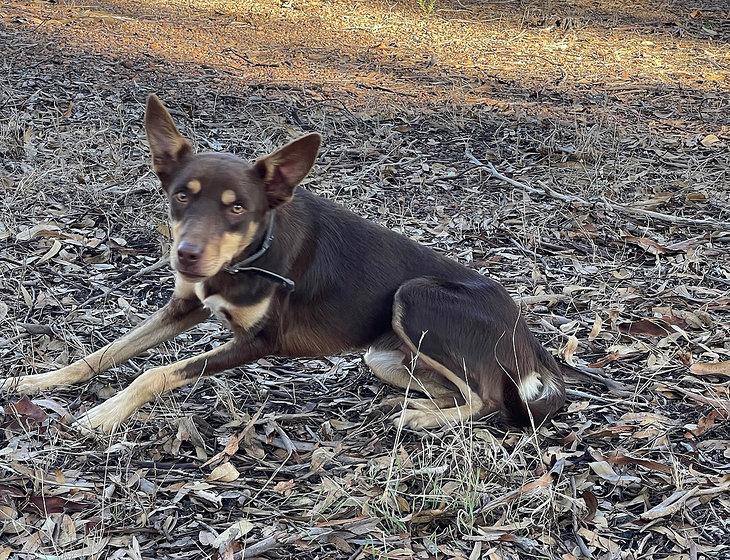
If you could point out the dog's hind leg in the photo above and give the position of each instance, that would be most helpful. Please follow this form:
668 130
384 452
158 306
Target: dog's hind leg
389 366
426 326
153 383
175 317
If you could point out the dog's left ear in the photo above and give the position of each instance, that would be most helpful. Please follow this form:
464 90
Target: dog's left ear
284 169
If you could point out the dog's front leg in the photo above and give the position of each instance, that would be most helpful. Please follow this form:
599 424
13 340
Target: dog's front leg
177 316
155 382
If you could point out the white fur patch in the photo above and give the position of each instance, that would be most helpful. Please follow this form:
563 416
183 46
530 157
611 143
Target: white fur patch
199 289
243 316
217 305
183 288
530 387
379 359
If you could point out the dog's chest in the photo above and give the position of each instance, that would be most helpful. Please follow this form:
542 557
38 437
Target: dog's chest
243 317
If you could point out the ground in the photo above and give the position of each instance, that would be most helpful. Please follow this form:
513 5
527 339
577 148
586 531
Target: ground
606 214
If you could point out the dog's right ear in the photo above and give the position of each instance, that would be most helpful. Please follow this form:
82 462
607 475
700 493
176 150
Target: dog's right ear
169 149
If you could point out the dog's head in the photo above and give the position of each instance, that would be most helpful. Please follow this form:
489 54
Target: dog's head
219 203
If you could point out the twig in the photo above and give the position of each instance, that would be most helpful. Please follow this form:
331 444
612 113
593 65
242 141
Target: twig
156 266
584 373
612 206
249 61
388 90
264 545
542 298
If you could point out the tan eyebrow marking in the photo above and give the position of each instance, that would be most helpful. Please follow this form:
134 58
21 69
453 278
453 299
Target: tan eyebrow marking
194 186
228 196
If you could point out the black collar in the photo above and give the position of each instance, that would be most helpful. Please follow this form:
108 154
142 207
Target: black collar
268 239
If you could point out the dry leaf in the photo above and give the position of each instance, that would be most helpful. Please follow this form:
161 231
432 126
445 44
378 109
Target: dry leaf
670 506
26 411
606 472
696 197
619 459
711 368
284 487
706 423
591 505
646 327
52 252
596 328
236 531
709 140
649 245
224 473
320 457
569 349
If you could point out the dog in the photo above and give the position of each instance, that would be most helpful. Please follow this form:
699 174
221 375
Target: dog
293 274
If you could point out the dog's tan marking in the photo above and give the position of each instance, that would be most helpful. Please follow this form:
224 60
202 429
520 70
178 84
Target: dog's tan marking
271 162
228 197
389 367
183 288
419 419
153 383
199 290
175 230
231 244
194 186
243 316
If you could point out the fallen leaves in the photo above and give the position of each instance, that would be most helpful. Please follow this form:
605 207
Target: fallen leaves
606 472
284 487
24 414
720 369
706 423
709 140
289 458
669 506
649 245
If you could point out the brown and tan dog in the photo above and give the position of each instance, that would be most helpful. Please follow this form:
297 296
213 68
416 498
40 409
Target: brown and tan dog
293 274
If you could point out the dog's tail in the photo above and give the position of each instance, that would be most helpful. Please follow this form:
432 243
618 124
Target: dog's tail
536 396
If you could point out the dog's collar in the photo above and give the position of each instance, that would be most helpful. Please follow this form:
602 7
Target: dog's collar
268 239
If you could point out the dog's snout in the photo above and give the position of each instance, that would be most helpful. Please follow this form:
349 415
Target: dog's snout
189 253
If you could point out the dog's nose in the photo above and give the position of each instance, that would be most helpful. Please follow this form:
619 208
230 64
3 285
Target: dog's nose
189 253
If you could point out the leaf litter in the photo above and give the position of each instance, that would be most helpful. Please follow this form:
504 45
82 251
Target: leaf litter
600 202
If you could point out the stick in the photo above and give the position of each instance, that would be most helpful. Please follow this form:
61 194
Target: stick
156 266
619 208
264 545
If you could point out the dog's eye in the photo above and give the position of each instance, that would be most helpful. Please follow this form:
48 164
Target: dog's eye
181 197
237 209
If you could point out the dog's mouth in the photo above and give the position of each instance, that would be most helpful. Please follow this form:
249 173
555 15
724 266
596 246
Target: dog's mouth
191 276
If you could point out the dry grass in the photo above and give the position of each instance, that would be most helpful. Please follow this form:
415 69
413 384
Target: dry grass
613 106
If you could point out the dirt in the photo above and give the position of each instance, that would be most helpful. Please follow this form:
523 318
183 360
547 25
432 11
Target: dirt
606 214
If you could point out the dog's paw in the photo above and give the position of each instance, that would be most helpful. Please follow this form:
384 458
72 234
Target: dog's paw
392 404
416 419
28 384
104 418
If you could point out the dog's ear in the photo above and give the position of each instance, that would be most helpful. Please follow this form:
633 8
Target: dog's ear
284 169
169 149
